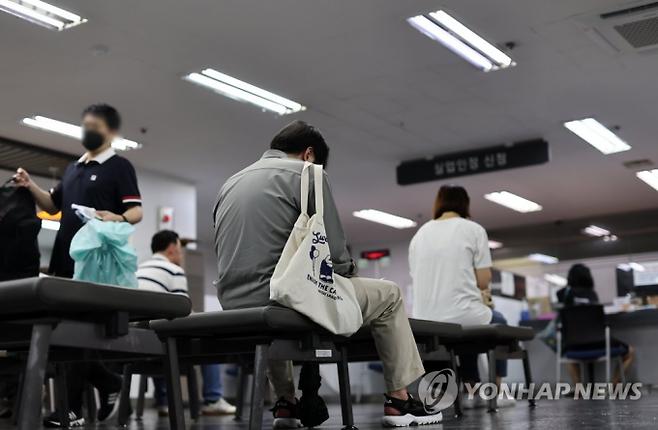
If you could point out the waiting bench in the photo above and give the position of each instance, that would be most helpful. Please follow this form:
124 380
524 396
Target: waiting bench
59 320
257 335
499 342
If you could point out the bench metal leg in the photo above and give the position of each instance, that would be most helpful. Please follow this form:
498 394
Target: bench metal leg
259 387
620 363
62 397
17 400
193 393
174 393
528 376
143 386
492 378
243 377
124 401
37 359
458 401
345 393
90 400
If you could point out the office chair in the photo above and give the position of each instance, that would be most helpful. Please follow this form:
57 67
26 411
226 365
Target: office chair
583 330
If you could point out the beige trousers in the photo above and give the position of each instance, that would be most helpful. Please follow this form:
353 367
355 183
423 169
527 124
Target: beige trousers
382 307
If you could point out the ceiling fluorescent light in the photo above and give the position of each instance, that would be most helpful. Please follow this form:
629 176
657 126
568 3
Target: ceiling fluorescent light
597 135
455 36
556 279
543 258
385 218
244 92
50 224
42 13
73 131
471 38
513 202
593 230
650 177
495 245
637 267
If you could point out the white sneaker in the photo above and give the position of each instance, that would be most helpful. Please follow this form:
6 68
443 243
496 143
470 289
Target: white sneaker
163 411
476 402
220 407
505 403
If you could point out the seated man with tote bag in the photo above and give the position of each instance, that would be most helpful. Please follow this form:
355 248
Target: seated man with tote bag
262 227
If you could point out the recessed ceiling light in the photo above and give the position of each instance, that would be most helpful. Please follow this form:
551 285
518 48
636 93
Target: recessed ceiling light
461 40
50 224
495 245
593 230
385 218
597 135
556 279
543 258
239 90
611 238
650 177
637 267
73 131
513 202
42 13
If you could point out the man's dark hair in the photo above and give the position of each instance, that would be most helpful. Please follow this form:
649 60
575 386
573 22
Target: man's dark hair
162 239
297 136
580 277
452 198
109 114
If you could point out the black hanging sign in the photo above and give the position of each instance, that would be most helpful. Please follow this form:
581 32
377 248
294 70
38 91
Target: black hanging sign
492 159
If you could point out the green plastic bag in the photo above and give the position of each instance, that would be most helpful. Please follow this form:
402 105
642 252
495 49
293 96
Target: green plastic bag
102 254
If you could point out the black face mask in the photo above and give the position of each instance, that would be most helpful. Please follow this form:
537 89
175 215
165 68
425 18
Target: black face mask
92 140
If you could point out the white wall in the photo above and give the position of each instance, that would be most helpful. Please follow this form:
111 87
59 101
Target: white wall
158 190
396 271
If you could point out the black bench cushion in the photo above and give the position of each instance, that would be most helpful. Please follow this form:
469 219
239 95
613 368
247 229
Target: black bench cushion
494 333
272 319
65 298
265 319
421 328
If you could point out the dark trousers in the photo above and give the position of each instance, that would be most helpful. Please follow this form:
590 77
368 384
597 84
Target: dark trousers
469 363
78 375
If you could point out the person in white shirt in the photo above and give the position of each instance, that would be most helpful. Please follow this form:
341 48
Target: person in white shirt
450 265
163 272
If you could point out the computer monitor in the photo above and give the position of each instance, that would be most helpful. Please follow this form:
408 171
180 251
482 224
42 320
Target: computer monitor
638 278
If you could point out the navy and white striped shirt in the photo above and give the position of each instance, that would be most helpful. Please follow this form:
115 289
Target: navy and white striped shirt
160 274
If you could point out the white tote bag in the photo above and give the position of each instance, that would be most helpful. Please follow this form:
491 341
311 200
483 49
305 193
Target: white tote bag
304 279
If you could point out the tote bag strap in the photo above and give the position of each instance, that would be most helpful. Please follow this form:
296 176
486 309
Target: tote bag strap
317 179
319 202
305 187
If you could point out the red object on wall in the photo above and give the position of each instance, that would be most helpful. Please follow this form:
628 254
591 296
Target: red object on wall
375 255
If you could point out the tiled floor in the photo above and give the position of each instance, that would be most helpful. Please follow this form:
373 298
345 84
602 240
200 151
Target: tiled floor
550 415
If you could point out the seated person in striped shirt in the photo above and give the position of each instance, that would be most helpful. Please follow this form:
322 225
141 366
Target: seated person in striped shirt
163 272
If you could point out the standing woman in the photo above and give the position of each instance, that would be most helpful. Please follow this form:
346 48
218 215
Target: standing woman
450 265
